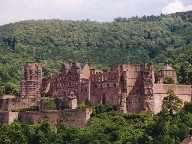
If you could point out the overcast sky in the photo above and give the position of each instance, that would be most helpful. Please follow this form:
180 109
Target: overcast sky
99 10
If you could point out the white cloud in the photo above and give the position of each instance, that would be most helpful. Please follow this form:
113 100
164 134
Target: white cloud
176 6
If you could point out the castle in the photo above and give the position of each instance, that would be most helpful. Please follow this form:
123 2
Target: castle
130 87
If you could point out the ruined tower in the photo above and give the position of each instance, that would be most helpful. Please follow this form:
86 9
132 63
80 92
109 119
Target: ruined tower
30 85
148 81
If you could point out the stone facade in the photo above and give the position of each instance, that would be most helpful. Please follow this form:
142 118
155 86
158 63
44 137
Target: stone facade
72 78
104 87
131 87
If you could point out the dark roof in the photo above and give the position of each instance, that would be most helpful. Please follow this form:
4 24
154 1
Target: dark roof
167 67
68 66
79 65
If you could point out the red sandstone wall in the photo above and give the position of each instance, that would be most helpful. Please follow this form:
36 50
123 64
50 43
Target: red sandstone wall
72 118
16 103
135 93
160 91
136 98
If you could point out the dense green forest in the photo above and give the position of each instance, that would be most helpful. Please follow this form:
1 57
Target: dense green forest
133 40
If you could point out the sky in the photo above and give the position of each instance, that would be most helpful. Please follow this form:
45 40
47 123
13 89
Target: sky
95 10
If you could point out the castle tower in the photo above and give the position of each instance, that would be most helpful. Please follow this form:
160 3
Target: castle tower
167 71
30 85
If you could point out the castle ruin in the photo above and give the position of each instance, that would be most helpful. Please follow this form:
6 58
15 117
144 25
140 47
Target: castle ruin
131 87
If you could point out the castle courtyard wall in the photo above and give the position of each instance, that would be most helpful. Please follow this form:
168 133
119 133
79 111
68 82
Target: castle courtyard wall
184 92
17 103
72 118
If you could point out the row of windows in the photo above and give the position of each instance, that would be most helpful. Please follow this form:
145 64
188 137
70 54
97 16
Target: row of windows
69 84
168 72
63 78
101 86
135 101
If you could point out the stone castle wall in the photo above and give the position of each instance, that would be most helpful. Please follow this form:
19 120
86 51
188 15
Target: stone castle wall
72 118
8 117
135 92
184 92
138 82
17 103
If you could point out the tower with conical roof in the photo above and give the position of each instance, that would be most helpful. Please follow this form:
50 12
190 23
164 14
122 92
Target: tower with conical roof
167 71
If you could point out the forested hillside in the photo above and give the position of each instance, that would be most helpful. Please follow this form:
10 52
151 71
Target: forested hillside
133 40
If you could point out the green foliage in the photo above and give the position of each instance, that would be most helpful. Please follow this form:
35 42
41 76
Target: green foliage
64 105
32 108
168 80
2 91
98 109
134 40
172 103
48 103
107 127
11 88
61 104
183 65
188 107
43 94
83 106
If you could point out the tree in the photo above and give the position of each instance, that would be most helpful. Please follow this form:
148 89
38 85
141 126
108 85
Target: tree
48 103
188 107
172 103
1 91
168 80
11 88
